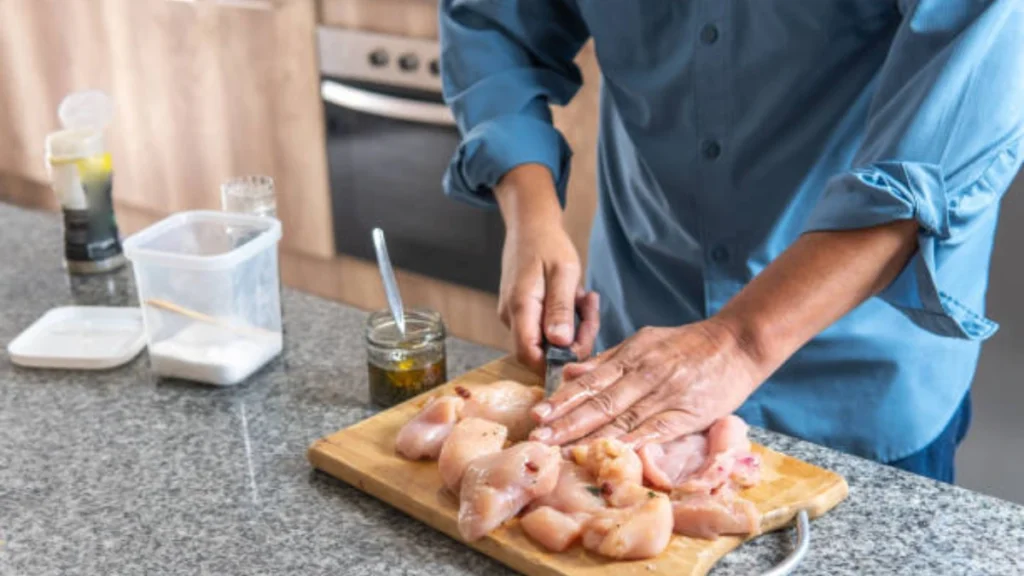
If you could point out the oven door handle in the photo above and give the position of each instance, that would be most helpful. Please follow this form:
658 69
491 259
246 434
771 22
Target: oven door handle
385 105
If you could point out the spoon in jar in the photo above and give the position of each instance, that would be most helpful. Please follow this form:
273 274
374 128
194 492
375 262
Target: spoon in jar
387 275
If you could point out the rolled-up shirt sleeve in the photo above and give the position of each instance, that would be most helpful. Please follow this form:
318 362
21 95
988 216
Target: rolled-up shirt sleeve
502 63
943 143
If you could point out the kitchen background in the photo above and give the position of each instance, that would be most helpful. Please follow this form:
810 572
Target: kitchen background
209 89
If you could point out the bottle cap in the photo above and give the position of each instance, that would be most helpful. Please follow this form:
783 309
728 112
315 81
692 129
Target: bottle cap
84 115
87 110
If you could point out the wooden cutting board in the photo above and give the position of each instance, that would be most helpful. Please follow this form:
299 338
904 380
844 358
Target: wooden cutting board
363 455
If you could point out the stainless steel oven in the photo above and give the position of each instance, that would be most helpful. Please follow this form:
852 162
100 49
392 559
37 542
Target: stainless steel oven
389 140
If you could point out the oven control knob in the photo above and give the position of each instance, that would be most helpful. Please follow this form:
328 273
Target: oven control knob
408 62
435 67
378 58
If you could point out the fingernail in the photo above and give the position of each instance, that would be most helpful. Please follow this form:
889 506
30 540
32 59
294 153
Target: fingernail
542 409
561 330
541 434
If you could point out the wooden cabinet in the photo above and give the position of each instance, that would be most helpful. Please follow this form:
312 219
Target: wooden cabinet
203 90
208 89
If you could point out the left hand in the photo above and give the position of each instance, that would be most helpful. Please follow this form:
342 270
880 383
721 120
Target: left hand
656 386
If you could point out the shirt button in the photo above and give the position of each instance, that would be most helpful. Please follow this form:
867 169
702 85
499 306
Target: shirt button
710 149
709 34
720 254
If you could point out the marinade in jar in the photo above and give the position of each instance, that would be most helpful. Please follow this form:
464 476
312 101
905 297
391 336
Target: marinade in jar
403 365
390 386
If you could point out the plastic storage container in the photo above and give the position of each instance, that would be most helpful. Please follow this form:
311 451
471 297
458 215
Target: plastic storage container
209 290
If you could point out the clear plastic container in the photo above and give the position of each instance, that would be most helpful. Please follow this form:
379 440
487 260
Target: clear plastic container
209 289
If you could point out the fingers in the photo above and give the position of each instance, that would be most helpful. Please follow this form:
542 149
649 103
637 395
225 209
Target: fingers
576 391
630 419
595 412
525 312
664 427
588 304
577 369
561 281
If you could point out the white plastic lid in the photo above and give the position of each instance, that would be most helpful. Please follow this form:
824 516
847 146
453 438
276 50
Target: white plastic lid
84 115
80 338
87 110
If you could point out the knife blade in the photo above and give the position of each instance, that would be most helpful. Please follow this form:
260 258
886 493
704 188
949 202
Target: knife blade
555 358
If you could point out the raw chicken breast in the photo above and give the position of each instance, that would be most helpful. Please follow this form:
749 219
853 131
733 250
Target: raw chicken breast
609 460
729 433
576 491
668 465
708 516
746 470
496 487
553 529
423 436
640 531
626 494
507 402
728 453
469 440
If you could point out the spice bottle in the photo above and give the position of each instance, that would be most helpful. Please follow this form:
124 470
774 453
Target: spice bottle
80 171
402 366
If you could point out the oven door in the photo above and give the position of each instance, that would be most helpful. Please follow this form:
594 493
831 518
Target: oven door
388 148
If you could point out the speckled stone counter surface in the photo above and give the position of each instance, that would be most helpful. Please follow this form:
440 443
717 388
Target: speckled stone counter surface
118 472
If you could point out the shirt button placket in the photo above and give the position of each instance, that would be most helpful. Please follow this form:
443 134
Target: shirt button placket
709 34
719 254
711 149
713 105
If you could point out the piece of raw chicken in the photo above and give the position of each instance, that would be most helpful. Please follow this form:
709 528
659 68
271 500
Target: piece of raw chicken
496 487
709 515
556 520
670 464
507 402
728 458
641 530
553 529
624 524
609 460
423 436
576 491
469 439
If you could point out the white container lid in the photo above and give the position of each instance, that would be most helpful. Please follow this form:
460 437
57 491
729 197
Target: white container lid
203 240
84 116
87 110
80 338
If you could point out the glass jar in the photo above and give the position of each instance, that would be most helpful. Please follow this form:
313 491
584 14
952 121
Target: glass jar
401 367
249 195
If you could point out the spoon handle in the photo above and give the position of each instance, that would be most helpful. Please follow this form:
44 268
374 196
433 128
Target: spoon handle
387 275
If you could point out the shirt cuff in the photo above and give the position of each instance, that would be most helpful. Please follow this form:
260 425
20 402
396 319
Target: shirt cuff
888 191
494 147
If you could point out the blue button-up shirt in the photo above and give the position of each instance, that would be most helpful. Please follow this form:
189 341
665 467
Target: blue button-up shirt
727 129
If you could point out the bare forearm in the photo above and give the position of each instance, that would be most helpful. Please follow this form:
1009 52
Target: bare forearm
527 199
820 278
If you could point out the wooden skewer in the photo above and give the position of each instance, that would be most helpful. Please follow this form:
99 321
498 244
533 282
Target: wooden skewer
190 313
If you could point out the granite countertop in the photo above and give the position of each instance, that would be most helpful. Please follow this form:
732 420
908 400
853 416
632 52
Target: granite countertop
118 472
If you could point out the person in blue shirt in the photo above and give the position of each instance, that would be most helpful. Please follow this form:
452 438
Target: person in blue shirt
797 204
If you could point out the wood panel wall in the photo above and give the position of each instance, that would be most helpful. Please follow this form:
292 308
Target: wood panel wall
205 91
202 91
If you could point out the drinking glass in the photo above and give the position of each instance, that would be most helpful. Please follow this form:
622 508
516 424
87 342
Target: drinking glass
249 195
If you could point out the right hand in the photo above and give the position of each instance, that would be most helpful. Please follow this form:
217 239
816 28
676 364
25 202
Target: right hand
540 271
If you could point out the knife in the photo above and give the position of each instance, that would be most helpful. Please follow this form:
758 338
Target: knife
555 358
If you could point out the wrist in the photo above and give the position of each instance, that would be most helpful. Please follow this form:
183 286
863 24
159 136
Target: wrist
528 200
745 339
